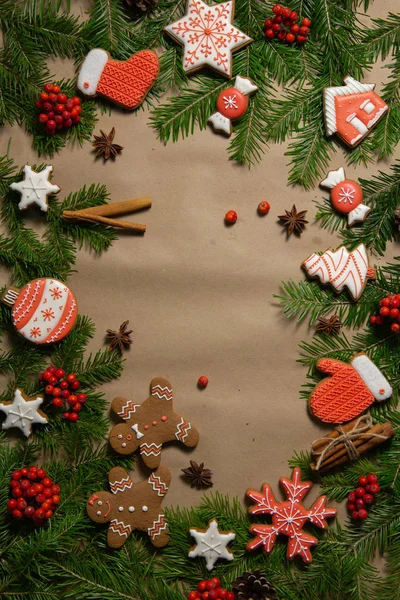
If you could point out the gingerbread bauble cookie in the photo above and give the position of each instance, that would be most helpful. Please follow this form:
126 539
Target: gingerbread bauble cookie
149 425
44 311
132 506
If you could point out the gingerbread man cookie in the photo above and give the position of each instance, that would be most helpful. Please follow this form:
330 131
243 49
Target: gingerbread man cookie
132 506
150 425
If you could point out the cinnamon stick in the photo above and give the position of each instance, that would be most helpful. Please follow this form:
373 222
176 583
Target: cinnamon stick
115 208
110 222
347 427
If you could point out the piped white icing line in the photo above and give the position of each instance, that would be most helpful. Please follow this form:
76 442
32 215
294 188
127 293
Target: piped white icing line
352 87
377 384
245 85
91 70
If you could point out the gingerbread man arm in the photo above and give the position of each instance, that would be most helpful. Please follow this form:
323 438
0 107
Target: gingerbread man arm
119 480
161 388
118 533
185 432
124 408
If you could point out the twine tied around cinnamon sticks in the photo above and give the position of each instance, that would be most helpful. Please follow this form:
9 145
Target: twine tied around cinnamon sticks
348 442
102 214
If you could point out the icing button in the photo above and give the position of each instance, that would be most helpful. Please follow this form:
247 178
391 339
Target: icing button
381 391
123 445
98 513
86 84
99 503
164 418
145 508
120 508
120 437
146 427
131 509
154 423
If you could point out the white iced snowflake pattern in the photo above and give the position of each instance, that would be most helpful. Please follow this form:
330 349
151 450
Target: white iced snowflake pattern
35 187
230 101
211 544
346 194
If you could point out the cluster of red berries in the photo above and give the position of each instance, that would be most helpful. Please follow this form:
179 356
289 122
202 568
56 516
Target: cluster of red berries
363 496
57 111
210 589
63 389
389 311
35 496
284 26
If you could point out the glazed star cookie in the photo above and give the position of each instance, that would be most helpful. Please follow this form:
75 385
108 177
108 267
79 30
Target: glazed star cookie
208 36
341 269
350 390
211 544
35 188
346 196
125 83
352 110
132 506
232 104
44 311
23 412
150 425
288 517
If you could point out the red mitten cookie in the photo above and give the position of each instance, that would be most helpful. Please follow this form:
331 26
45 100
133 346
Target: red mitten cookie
132 506
150 425
126 83
349 391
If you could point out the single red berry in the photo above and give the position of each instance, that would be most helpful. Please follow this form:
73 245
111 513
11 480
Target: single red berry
375 488
395 303
47 107
47 493
53 380
82 398
41 473
278 19
395 327
295 28
202 585
39 513
362 514
384 302
75 385
62 98
66 115
29 512
48 514
306 22
16 475
11 505
270 34
212 595
277 9
231 217
290 38
21 504
63 385
31 492
50 115
360 503
67 415
360 491
268 23
384 311
230 596
59 108
301 39
52 369
351 506
294 16
59 373
304 30
380 320
282 35
39 487
17 492
56 392
14 483
76 100
71 377
77 119
221 593
193 596
53 98
72 399
354 515
64 394
17 514
363 480
44 96
204 595
368 499
68 122
210 585
55 488
394 313
276 27
75 111
69 105
263 207
43 118
57 402
46 375
39 104
48 87
372 320
56 89
55 499
202 381
47 482
40 498
216 581
73 416
76 407
49 389
24 484
372 478
286 12
24 472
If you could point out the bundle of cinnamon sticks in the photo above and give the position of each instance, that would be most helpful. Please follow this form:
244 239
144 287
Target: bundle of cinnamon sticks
104 213
347 442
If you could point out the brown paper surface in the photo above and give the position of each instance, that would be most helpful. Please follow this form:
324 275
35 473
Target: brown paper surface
199 294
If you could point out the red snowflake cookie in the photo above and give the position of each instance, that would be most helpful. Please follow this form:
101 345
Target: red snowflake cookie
288 517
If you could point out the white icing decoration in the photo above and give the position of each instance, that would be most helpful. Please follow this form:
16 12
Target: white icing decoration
120 436
208 36
352 86
230 101
99 503
120 508
145 508
358 214
372 377
131 509
211 544
91 70
220 123
341 269
35 187
123 444
135 428
22 414
333 178
245 85
98 513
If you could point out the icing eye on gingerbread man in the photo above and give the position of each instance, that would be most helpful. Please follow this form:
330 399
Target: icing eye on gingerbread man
149 425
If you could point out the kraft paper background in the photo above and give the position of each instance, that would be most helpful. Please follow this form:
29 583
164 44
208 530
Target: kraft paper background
199 295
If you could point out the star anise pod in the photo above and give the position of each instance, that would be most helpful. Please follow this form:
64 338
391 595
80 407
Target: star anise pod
120 338
329 324
104 145
198 475
294 221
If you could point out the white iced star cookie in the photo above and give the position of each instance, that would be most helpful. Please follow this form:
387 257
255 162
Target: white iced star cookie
208 36
35 188
22 412
211 544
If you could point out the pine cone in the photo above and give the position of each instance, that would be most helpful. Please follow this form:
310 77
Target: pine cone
141 5
397 218
253 586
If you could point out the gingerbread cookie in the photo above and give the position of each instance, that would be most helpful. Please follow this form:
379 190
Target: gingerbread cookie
150 425
35 188
125 83
232 104
23 412
288 517
132 506
350 390
44 311
352 110
341 269
211 544
208 36
346 196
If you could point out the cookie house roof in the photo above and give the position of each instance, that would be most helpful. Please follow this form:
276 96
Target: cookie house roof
352 87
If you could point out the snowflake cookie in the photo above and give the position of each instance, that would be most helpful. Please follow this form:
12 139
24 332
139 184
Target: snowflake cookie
288 517
23 412
211 544
35 188
208 36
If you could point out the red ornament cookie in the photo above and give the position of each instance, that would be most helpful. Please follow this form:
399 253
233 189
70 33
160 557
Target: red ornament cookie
350 390
132 506
125 83
232 104
44 311
150 425
346 196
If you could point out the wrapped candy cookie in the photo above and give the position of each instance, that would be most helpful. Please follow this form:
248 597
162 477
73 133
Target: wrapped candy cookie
232 104
346 196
